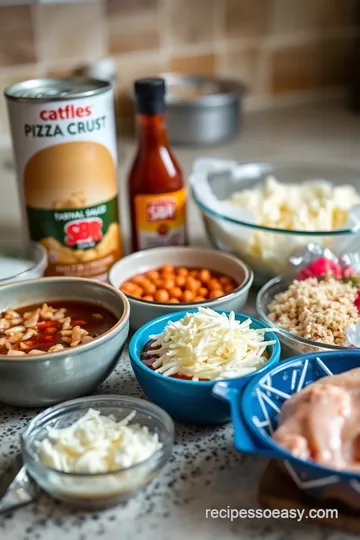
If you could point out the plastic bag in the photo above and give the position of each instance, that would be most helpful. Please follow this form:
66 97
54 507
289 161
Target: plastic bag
353 336
316 261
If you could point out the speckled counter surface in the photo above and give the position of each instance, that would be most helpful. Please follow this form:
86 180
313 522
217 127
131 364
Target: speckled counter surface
204 472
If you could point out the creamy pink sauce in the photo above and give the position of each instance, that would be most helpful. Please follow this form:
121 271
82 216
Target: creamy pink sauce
322 422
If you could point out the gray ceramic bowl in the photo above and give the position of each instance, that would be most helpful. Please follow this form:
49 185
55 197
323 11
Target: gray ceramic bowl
143 261
51 378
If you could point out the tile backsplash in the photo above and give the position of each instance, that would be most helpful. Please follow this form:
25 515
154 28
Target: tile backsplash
17 36
281 49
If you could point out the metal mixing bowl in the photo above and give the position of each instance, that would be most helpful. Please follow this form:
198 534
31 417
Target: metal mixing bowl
202 110
38 381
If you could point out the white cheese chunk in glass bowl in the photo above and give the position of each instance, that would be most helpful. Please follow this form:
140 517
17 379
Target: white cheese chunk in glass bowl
265 213
97 451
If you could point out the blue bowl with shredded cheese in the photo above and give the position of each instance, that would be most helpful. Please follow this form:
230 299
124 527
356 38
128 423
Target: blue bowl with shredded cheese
191 351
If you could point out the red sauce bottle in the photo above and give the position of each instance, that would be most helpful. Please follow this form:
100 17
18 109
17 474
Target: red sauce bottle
156 190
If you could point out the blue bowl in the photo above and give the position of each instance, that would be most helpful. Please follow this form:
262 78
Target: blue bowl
255 412
188 401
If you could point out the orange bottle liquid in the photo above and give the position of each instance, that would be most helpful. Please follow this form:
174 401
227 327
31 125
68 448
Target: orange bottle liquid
156 190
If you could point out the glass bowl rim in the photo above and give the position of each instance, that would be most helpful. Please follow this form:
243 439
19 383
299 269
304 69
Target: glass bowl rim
276 328
38 256
299 165
114 399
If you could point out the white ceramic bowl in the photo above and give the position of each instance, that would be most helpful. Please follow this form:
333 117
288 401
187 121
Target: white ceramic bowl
142 311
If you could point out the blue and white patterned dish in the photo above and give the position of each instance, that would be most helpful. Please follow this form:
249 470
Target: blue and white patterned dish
255 411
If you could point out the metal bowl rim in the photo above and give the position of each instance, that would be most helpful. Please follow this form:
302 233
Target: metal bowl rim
236 89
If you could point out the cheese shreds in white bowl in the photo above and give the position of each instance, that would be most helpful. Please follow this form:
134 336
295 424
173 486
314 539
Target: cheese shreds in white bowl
209 345
97 444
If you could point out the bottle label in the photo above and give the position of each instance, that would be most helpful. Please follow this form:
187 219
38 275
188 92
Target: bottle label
82 242
160 219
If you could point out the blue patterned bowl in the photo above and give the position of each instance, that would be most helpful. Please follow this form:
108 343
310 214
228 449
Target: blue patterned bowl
255 411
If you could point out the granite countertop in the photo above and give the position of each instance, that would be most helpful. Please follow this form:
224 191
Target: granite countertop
204 471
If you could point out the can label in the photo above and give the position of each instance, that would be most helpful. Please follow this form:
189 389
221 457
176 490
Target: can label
66 161
160 219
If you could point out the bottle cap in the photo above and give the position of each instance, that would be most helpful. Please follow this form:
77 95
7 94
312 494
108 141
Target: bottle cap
150 95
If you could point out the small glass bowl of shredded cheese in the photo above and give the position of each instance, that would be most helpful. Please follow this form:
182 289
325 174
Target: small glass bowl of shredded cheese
96 452
177 359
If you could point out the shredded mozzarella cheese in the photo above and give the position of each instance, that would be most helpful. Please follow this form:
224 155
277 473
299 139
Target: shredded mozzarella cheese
209 345
97 444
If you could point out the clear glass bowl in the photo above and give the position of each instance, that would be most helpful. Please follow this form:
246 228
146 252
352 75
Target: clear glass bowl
100 490
291 345
21 260
267 250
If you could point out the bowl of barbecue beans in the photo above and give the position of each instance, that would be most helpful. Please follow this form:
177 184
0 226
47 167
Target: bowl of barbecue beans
161 281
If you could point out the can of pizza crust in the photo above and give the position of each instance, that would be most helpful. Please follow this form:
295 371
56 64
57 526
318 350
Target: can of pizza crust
64 140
